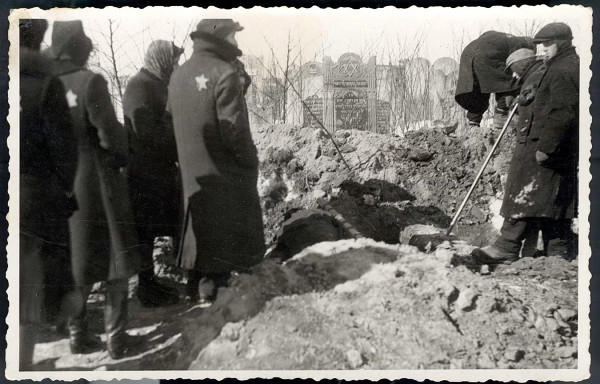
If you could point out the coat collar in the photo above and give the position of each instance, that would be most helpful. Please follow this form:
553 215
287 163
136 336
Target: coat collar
562 53
207 44
151 76
534 66
63 67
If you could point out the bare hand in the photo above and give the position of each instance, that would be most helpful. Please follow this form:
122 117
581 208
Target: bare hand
540 157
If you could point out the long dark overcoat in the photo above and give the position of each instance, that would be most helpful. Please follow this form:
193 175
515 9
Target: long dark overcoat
48 160
219 163
103 235
549 124
154 184
482 68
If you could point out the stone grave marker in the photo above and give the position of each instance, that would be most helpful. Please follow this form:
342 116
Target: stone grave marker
350 93
313 103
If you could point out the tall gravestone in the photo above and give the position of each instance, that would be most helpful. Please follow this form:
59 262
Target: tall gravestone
349 100
313 111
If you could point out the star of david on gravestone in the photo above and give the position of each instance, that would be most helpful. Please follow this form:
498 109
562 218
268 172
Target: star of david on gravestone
201 82
71 99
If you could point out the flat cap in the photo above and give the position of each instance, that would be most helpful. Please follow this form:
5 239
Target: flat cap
553 31
518 55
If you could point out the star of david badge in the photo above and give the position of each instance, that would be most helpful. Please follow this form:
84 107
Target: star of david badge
71 99
201 82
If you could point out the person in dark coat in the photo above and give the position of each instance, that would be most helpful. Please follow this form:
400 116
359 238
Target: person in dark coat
103 234
482 72
48 160
542 182
223 228
154 185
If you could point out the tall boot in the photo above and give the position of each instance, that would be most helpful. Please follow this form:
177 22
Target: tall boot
81 340
115 319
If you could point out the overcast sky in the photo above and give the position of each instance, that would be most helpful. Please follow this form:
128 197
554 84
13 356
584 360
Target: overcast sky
387 33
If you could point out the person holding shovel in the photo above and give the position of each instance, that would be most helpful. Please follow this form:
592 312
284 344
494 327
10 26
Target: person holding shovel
541 190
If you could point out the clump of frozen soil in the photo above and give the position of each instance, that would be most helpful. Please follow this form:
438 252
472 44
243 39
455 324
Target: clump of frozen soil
359 304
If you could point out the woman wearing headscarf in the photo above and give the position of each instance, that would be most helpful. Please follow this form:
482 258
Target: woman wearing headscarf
103 237
154 185
48 160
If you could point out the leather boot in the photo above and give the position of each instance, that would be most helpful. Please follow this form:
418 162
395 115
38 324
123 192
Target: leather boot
81 340
493 255
115 318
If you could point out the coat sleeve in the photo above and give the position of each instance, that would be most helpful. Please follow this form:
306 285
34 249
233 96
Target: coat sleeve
154 132
113 137
563 111
233 120
60 135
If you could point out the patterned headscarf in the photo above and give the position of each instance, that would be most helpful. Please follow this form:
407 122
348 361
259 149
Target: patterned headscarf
159 59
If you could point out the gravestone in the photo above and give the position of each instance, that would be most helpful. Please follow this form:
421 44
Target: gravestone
350 93
313 104
384 111
444 74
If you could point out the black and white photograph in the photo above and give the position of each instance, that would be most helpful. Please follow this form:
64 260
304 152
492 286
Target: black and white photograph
299 193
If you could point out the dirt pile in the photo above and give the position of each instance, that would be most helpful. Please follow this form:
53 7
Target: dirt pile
427 170
360 304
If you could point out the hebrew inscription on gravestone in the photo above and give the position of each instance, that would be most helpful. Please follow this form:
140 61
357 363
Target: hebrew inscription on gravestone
313 111
350 99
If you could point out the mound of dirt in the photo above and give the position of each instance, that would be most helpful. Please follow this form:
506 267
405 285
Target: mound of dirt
429 168
360 304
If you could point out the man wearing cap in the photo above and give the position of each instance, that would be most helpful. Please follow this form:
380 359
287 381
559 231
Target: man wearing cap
154 185
481 72
103 236
542 183
223 228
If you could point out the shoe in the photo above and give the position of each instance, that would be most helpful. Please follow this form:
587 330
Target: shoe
493 255
82 341
153 294
121 345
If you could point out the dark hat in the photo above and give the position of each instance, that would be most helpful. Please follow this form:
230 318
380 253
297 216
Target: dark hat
219 28
31 32
68 37
553 31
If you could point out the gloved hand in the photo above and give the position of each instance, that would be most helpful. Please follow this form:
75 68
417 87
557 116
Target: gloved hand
540 157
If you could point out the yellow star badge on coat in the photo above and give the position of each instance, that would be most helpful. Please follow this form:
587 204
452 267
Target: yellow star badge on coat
71 99
201 82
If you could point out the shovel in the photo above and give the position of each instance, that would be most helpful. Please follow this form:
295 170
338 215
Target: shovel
431 241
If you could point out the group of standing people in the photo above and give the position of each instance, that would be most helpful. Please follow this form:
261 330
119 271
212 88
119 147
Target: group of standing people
541 187
96 193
